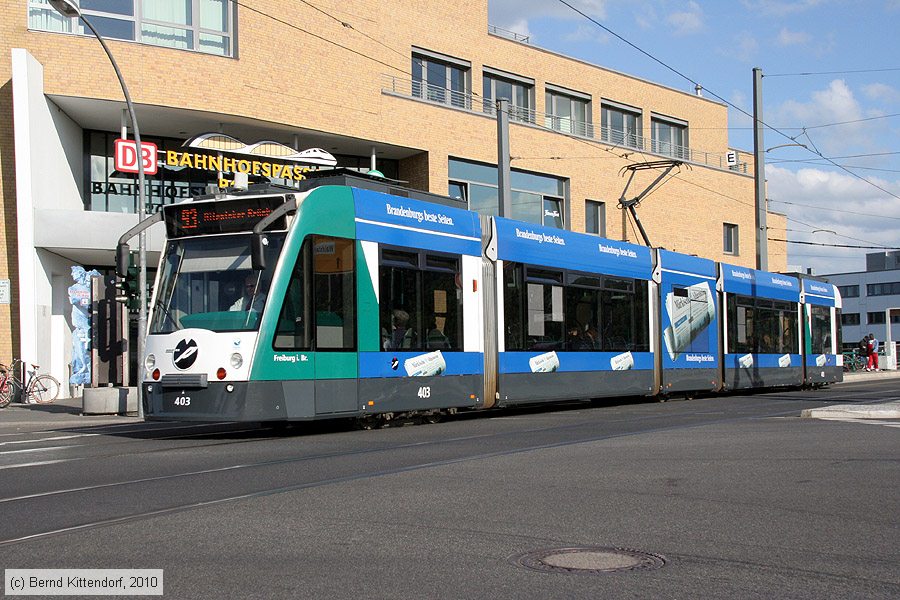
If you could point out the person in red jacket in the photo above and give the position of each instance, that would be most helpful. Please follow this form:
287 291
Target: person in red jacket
872 351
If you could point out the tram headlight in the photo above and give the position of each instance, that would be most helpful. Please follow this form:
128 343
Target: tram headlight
150 362
237 360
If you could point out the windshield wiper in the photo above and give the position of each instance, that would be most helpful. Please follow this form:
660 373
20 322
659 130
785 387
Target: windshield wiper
159 305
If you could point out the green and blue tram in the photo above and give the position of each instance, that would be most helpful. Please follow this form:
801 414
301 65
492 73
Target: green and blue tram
340 301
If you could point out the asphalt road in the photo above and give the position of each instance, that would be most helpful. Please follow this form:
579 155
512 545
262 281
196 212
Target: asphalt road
738 495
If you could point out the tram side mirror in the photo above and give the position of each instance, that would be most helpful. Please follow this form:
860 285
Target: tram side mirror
258 245
123 259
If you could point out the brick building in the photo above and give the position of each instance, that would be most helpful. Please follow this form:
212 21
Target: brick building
410 87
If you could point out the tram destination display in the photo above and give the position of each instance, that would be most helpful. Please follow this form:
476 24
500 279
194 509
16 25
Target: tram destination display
204 218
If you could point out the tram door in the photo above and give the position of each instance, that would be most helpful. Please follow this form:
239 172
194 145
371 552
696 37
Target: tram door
334 311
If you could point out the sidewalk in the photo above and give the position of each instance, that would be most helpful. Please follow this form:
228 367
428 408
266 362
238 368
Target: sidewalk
63 413
886 410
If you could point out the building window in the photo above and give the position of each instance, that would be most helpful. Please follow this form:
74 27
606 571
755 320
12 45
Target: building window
621 126
569 113
850 319
535 198
200 25
875 318
730 241
595 217
670 138
883 289
441 79
848 291
519 92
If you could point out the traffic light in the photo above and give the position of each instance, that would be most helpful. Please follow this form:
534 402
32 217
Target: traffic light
134 294
127 288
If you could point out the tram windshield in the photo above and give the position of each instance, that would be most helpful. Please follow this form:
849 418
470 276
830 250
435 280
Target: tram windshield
208 283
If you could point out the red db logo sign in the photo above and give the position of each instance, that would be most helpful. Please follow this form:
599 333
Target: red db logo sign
126 156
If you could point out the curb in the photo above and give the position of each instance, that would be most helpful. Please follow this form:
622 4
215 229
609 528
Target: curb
888 410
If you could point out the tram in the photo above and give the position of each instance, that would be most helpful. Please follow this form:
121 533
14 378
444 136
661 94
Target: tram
277 304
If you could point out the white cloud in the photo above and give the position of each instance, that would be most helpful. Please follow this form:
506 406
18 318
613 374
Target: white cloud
786 37
857 212
506 13
519 26
779 8
882 92
834 104
688 21
587 33
745 47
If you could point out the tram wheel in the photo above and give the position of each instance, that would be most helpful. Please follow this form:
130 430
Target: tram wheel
433 417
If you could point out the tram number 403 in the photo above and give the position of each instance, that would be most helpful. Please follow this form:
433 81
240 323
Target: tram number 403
182 400
424 392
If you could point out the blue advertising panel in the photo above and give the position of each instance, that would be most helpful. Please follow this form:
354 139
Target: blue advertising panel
562 362
689 308
820 293
548 246
821 360
762 284
752 362
419 364
404 222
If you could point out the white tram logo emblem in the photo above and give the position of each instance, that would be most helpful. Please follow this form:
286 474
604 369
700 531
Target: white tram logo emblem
185 354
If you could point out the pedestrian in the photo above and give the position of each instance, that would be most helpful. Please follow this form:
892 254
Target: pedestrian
872 351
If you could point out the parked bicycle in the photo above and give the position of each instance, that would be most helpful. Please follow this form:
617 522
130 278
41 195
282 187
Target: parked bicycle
40 388
853 361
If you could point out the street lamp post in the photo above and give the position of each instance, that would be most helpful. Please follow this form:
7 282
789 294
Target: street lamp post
68 9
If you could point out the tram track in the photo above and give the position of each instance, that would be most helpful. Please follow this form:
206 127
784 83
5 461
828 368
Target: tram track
356 476
264 437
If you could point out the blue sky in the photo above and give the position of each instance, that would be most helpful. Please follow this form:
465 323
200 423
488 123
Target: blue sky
717 44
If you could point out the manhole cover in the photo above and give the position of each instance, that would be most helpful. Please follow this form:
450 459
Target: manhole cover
589 559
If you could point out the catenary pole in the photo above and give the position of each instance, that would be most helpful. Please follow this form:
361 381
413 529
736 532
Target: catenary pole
67 9
759 175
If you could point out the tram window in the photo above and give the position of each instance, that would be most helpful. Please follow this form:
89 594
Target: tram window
389 256
544 276
614 283
820 329
334 293
291 332
582 280
420 301
545 317
443 305
761 325
442 263
582 319
321 292
624 313
513 306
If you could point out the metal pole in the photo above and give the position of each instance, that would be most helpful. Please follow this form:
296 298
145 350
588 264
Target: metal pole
505 208
141 211
759 175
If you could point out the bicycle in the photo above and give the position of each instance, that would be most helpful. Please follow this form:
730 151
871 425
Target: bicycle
853 361
41 389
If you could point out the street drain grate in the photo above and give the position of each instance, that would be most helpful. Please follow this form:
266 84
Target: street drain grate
588 560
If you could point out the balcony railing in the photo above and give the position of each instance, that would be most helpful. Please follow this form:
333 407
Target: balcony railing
565 125
511 35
